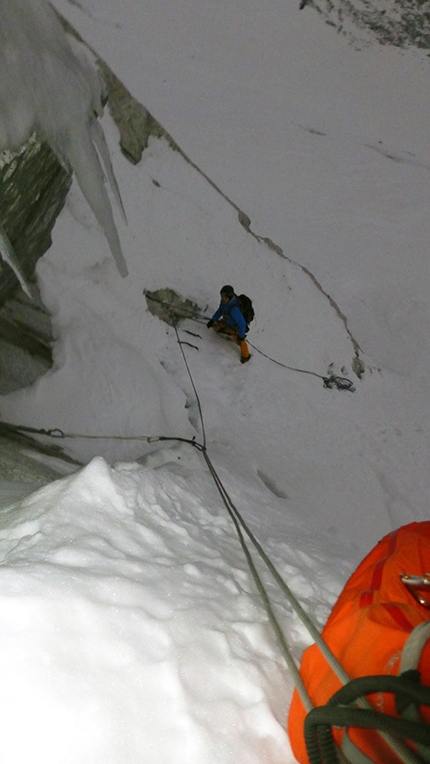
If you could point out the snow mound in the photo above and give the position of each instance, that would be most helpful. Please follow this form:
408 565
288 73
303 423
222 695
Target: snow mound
130 629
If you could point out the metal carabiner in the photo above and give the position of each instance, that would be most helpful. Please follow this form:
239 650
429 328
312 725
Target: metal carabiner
419 586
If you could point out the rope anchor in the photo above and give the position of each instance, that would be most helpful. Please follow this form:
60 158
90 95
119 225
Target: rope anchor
341 383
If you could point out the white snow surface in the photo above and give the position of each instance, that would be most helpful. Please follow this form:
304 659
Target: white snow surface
131 628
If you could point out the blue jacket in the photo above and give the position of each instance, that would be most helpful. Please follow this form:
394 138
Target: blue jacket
232 316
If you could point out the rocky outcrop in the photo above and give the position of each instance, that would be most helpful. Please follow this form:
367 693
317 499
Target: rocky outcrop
403 23
25 341
33 189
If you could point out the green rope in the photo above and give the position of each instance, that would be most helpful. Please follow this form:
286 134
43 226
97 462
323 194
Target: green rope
60 434
338 713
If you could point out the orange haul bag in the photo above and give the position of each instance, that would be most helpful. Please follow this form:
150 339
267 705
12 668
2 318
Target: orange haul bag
383 602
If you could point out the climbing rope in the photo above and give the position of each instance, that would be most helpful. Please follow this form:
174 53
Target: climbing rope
57 433
238 521
338 712
240 525
365 707
193 386
322 749
385 729
341 383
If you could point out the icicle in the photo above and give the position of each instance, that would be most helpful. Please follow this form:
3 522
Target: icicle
89 174
48 86
103 150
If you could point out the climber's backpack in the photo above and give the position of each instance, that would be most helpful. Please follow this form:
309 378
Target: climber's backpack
244 304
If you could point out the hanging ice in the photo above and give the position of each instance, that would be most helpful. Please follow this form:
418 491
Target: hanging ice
49 87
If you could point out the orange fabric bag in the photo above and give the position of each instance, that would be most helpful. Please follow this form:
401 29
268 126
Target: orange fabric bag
367 630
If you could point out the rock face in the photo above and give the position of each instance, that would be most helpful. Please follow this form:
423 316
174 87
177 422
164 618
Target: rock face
402 23
33 190
170 306
25 342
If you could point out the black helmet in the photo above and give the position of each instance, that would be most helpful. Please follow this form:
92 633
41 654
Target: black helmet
227 291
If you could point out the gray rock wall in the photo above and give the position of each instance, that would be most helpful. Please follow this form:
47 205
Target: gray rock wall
33 190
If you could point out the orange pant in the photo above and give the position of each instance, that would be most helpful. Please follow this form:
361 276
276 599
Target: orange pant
224 329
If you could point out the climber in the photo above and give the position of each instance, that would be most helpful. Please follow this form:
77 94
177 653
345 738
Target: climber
229 319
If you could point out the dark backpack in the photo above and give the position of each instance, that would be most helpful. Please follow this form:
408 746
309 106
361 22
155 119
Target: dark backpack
244 304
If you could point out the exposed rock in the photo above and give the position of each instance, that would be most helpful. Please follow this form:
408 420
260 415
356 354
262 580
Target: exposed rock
170 306
25 342
402 23
17 464
135 123
33 189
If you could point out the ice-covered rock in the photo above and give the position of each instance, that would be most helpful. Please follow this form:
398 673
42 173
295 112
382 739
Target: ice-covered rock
49 87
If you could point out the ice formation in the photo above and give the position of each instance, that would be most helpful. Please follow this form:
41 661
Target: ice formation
50 87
